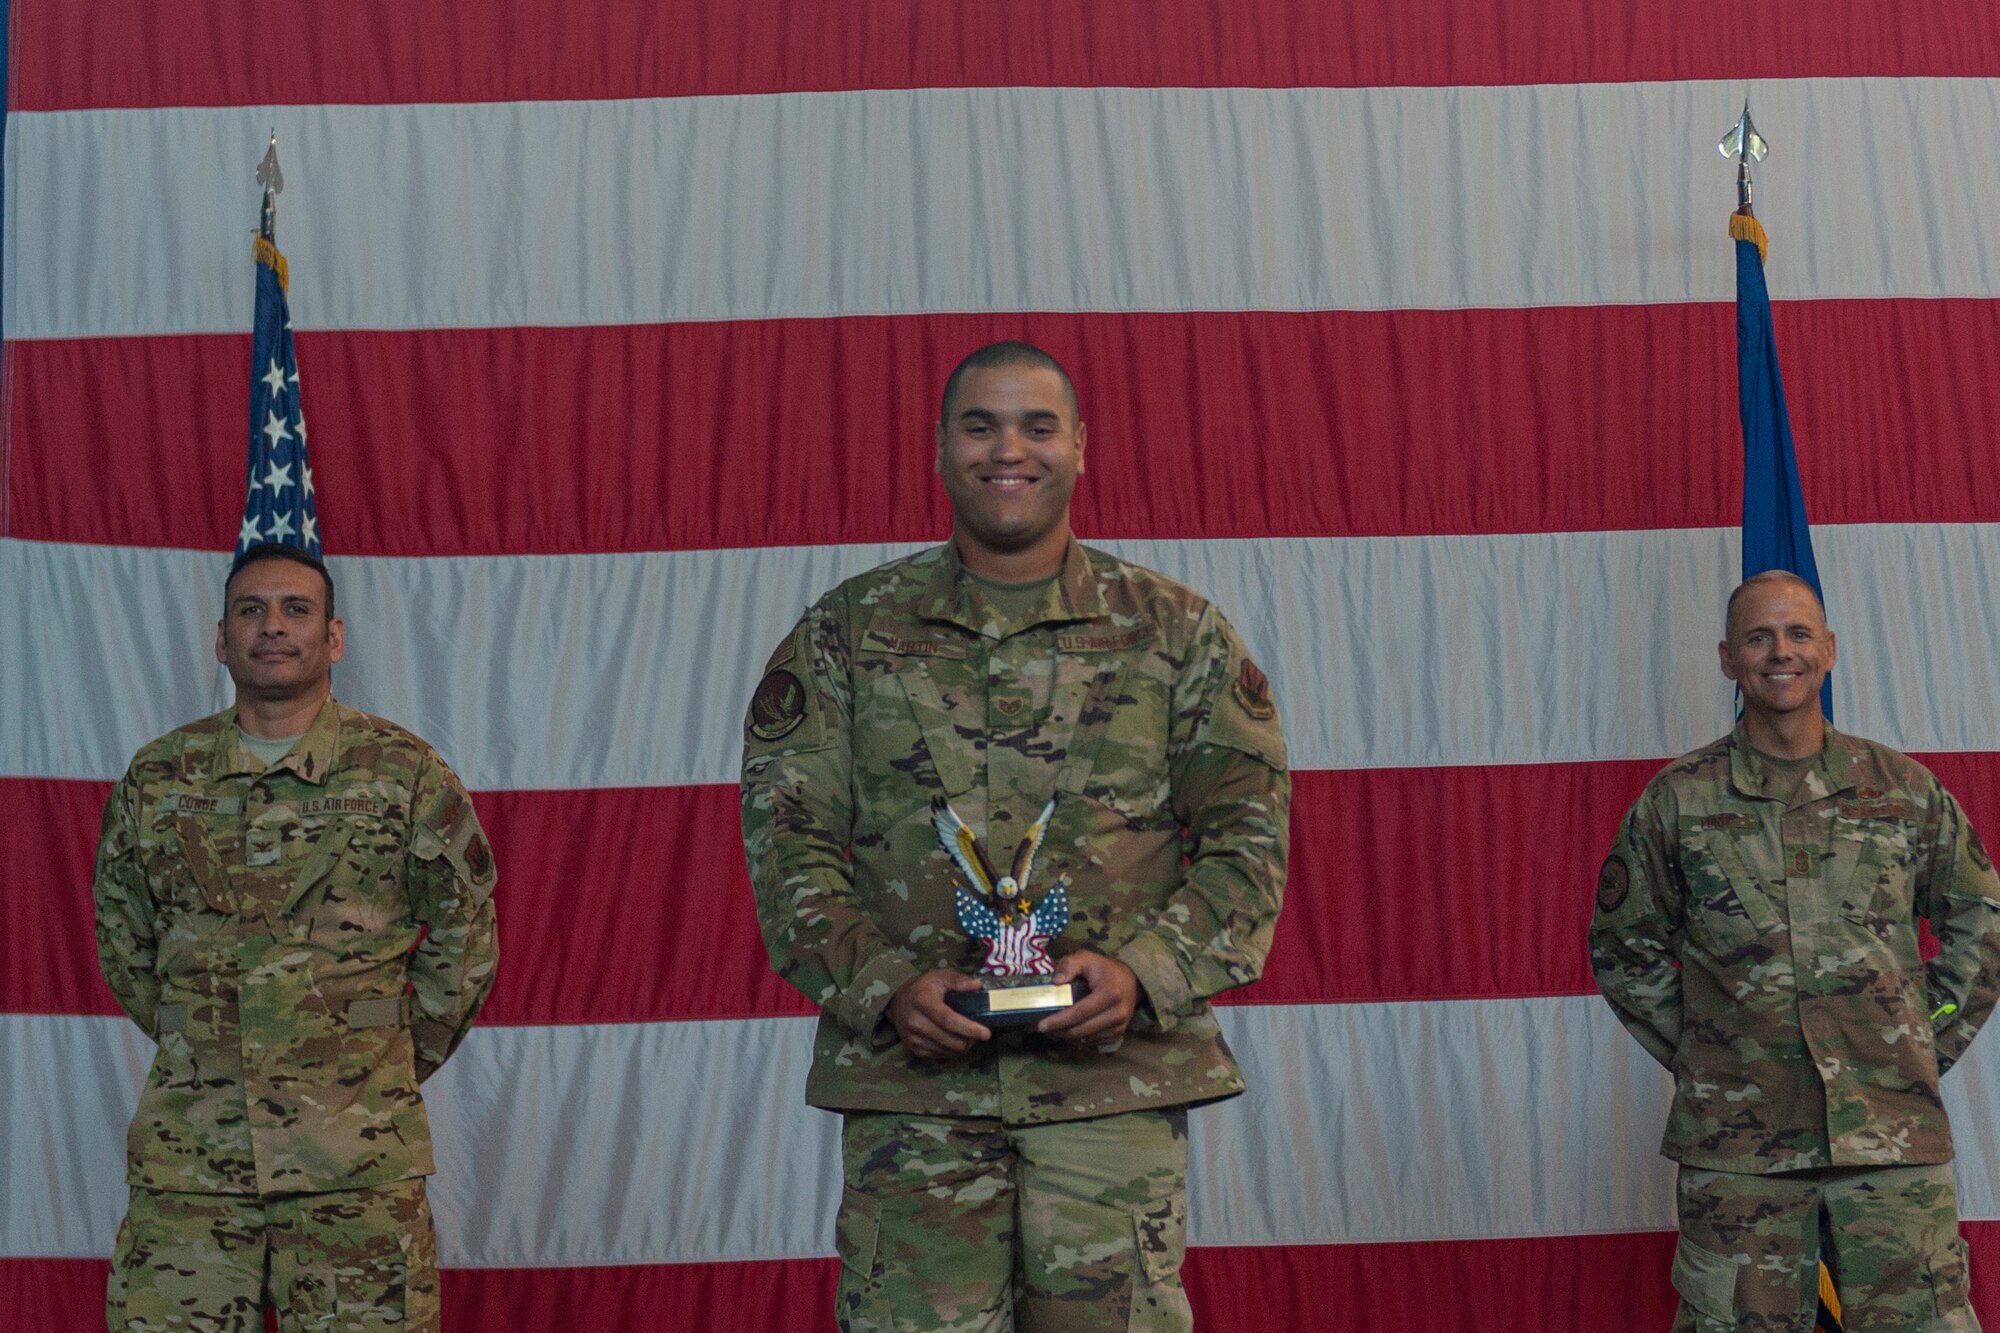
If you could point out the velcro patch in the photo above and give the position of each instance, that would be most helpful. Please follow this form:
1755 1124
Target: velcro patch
911 645
478 857
194 803
1976 849
1253 692
1877 810
1614 884
1729 821
316 806
1102 643
778 706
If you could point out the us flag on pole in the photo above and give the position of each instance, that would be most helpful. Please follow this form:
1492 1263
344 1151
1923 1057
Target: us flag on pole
278 504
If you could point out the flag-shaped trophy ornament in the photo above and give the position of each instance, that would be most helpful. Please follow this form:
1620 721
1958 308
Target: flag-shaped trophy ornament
999 911
278 501
1775 533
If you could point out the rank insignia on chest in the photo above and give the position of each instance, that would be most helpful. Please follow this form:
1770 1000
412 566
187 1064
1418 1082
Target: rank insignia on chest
1802 863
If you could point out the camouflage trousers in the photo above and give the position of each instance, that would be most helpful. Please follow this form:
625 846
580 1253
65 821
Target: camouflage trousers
969 1226
1750 1249
211 1263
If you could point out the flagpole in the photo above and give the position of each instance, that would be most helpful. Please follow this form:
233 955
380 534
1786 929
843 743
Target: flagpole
279 502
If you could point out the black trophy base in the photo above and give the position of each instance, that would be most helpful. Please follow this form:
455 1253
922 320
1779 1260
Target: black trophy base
1015 1002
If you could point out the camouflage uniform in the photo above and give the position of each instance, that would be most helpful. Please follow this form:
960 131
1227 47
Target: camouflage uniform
1763 946
266 926
1128 697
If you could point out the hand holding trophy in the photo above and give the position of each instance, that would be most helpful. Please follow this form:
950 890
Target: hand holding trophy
1016 928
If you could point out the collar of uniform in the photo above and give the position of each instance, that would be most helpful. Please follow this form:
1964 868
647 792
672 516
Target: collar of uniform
954 595
227 757
1834 771
309 760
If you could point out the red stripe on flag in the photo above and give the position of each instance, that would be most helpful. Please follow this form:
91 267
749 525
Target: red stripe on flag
1201 426
48 953
1487 896
1557 1284
125 53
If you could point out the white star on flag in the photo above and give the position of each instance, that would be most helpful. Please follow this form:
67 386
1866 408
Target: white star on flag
278 502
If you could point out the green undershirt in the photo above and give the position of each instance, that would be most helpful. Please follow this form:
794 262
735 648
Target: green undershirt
1013 603
269 751
1785 775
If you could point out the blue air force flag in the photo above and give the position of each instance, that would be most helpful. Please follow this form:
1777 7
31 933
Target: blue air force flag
1775 531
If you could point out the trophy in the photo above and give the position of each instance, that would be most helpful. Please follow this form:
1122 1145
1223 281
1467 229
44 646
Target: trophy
1016 929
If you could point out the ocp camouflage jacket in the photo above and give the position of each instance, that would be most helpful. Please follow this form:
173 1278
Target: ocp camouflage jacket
261 923
1766 952
1128 698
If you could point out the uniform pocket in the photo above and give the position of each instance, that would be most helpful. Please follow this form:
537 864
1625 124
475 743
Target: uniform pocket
856 1232
1951 1286
1728 904
115 1290
1160 1231
1706 1281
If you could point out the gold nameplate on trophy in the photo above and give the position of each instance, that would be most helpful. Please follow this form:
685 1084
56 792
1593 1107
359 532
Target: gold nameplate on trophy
1014 998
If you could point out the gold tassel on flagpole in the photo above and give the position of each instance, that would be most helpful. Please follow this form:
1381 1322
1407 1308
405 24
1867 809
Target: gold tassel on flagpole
267 254
1743 227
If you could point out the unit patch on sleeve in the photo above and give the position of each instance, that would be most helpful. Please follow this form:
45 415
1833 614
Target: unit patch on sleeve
1253 691
778 706
478 857
1614 882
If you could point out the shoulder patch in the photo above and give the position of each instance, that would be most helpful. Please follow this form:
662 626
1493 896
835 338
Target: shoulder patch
1614 884
786 652
1976 849
1253 692
778 706
479 857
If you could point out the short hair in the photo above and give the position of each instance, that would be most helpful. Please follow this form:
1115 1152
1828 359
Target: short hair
1758 581
258 552
1007 353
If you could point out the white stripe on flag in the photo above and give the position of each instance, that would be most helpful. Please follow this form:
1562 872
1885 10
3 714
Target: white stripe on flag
1384 651
687 1142
887 202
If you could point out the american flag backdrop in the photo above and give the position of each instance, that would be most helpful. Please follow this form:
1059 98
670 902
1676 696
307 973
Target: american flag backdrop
1405 331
